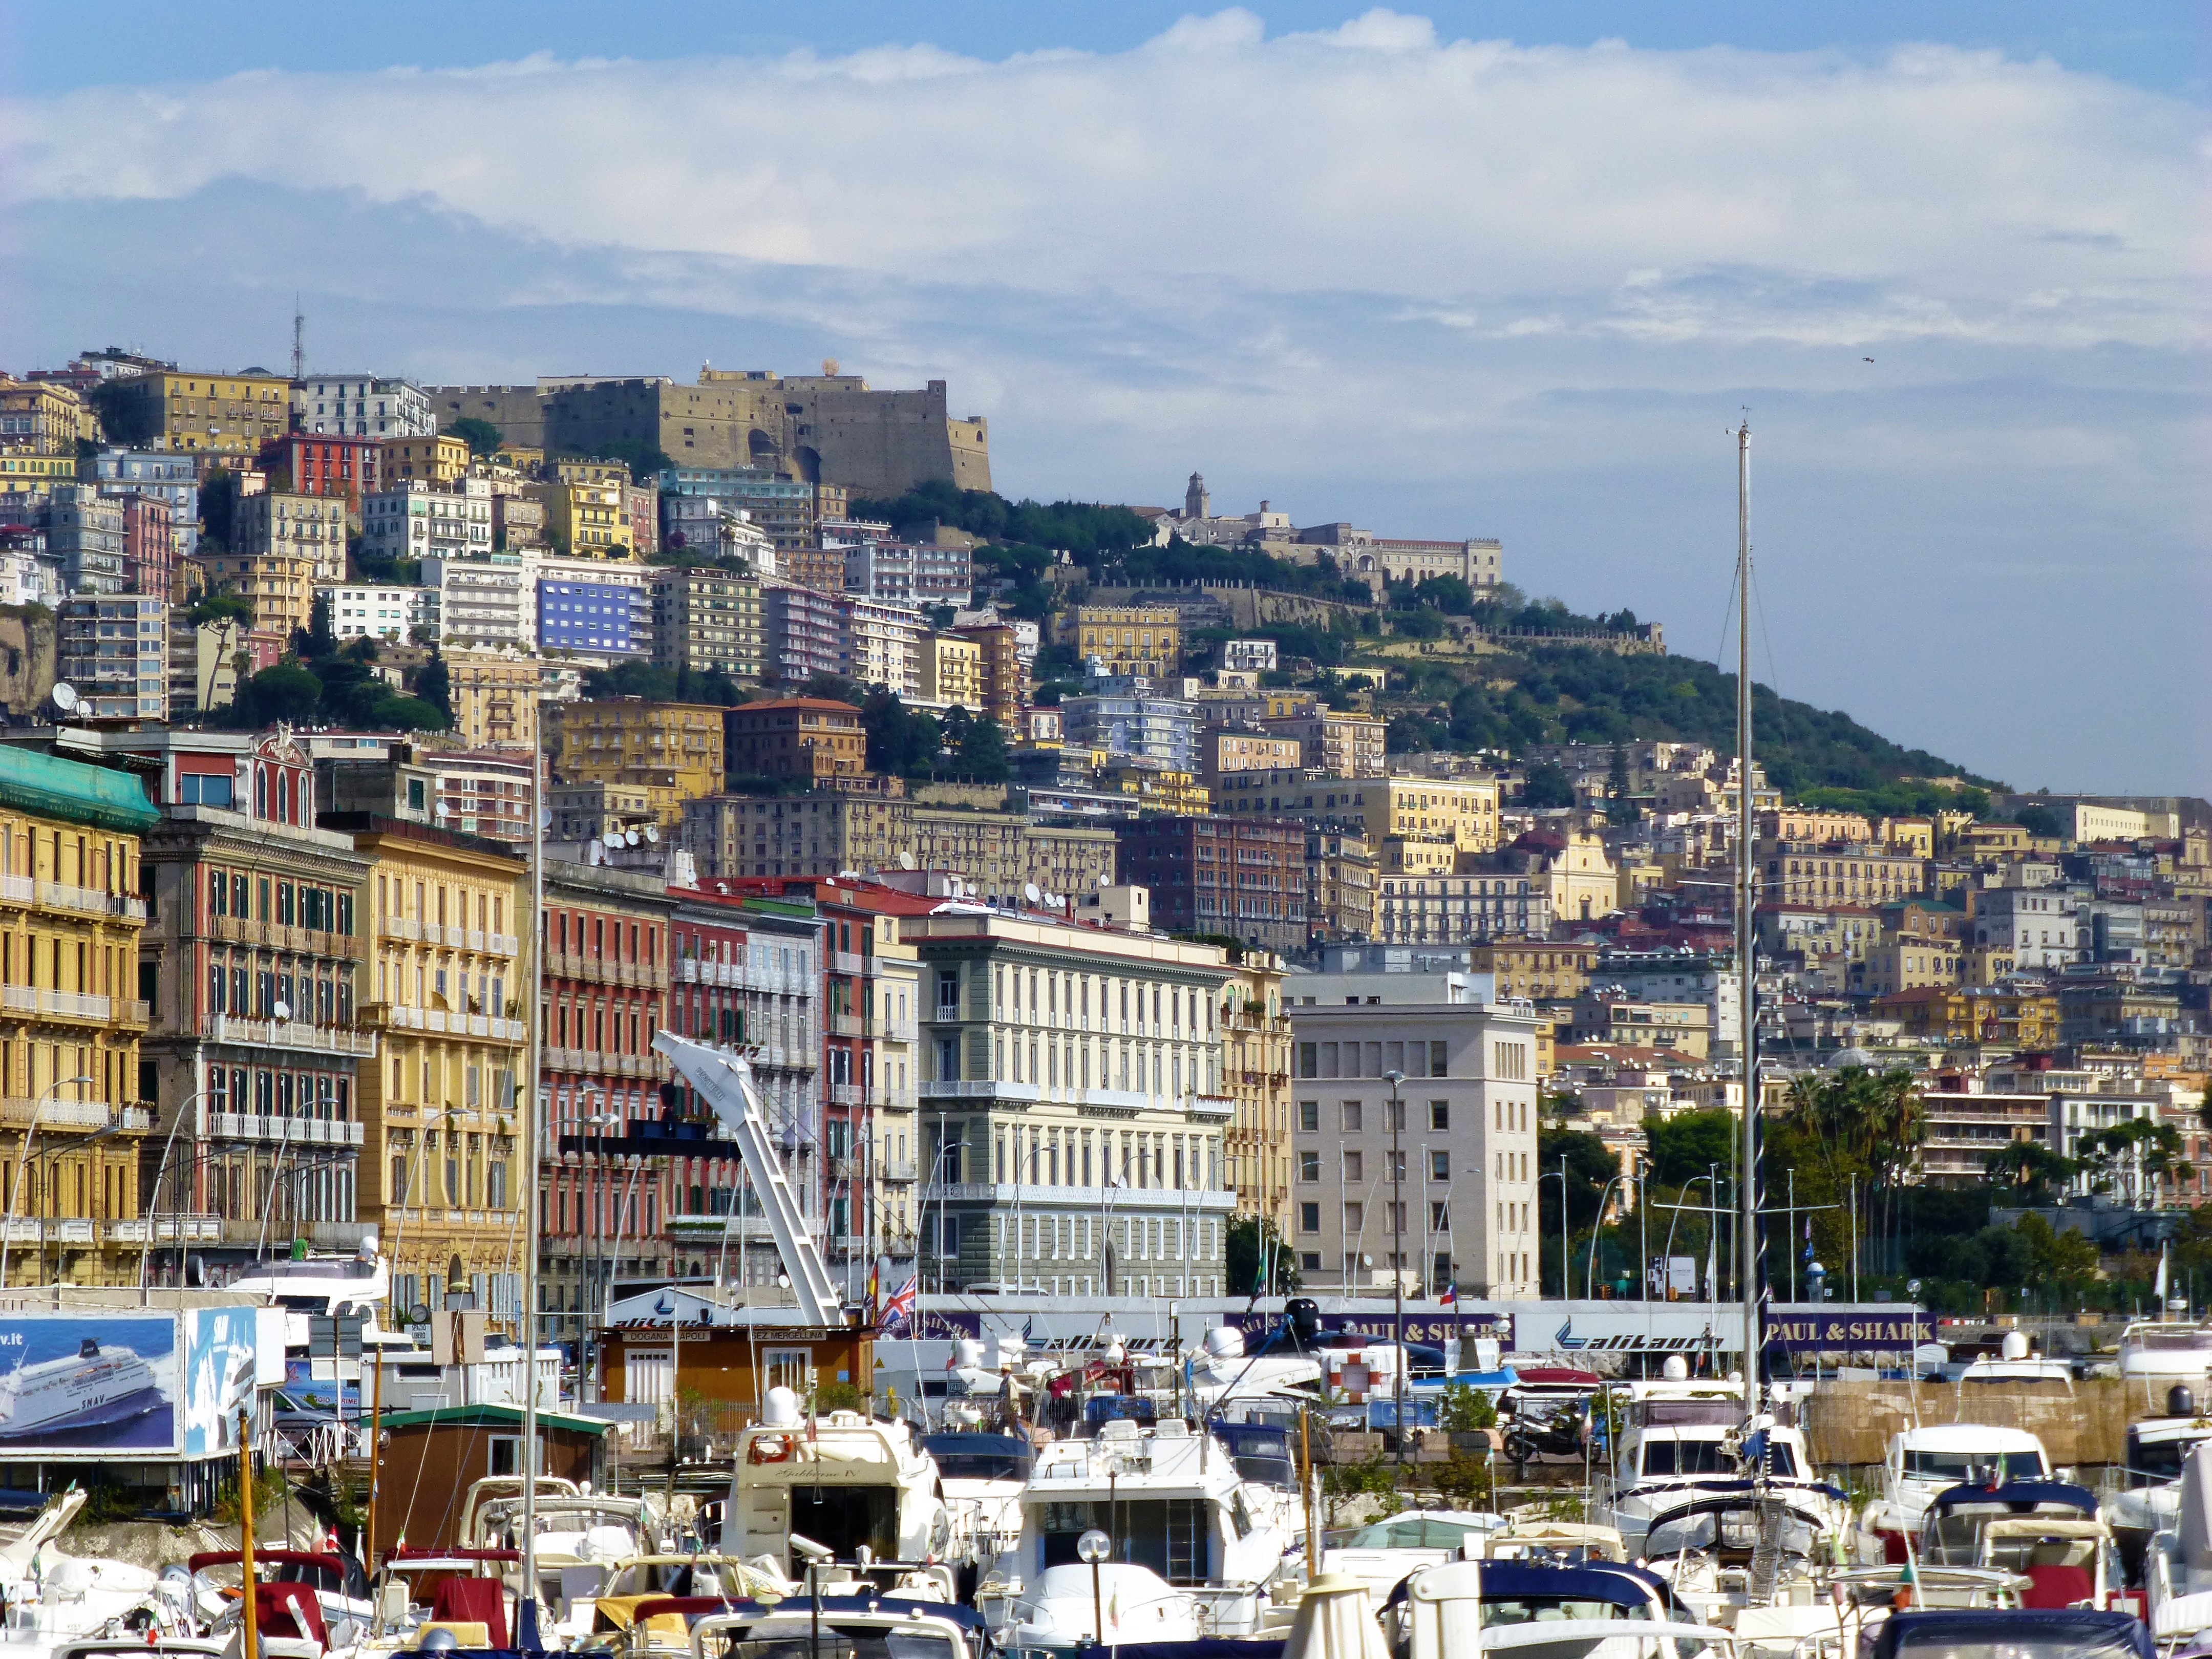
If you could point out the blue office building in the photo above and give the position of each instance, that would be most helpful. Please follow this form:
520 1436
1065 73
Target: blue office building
602 619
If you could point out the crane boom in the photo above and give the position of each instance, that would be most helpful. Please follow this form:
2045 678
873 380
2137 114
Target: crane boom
724 1081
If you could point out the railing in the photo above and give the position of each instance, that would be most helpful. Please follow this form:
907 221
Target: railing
1212 1105
847 961
500 945
845 1094
438 1019
87 901
600 1062
132 1011
293 1131
604 970
892 1029
747 1228
898 1169
277 936
56 1112
978 1088
401 928
190 1229
59 1005
847 1025
289 1034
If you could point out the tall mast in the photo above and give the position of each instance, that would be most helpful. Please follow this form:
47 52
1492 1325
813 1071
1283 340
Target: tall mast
533 1151
1751 1253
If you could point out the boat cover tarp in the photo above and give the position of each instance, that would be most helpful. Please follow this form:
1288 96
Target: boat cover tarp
474 1600
2079 1633
2020 1496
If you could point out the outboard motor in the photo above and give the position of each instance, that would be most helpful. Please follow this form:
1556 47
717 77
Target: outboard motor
2179 1401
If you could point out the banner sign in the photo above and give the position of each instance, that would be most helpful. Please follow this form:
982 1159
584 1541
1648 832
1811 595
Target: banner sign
89 1386
1855 1331
1468 1325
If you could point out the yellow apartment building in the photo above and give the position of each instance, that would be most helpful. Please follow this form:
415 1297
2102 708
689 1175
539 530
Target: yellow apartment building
71 1014
439 459
587 520
1129 639
38 417
673 750
1004 684
952 671
1256 1070
1537 969
494 698
222 414
35 475
443 1160
280 587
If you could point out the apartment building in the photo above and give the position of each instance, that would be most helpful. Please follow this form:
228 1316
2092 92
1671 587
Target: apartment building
605 992
38 417
707 620
431 458
802 633
1537 969
1245 877
1414 1148
1447 909
72 1016
170 479
1609 1020
952 672
415 519
308 463
480 604
443 1132
1255 1059
494 698
221 415
676 749
85 539
1002 681
1341 743
361 406
1340 885
150 547
1225 749
114 652
815 739
1128 639
1840 873
251 970
880 645
277 527
1073 1109
361 611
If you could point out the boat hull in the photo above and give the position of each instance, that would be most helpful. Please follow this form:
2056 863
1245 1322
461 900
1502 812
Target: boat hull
125 1408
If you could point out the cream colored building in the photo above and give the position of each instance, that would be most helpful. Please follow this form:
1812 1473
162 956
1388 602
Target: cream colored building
438 459
952 671
881 644
1255 1061
282 527
1144 639
38 417
1585 886
494 698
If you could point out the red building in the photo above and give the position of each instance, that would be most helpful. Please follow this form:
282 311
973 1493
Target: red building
149 546
324 464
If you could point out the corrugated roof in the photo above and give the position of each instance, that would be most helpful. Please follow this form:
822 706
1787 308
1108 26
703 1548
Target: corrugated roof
57 788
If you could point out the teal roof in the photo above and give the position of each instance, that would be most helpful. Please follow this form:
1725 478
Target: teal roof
52 788
493 1417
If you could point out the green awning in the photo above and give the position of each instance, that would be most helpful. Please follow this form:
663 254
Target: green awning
52 788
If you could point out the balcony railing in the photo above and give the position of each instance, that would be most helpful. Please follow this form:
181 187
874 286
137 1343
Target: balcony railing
847 961
285 1131
293 1034
898 1169
167 1228
277 936
892 1029
599 1062
56 1112
56 1005
59 895
401 1016
846 1094
847 1025
978 1088
602 970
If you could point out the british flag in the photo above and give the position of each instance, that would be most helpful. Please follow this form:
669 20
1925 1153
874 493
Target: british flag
897 1309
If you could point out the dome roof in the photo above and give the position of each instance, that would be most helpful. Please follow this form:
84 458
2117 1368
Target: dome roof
1852 1056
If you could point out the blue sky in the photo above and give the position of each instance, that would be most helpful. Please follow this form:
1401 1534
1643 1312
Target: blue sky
1494 269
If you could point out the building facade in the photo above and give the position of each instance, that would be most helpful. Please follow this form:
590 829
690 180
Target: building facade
707 620
1245 877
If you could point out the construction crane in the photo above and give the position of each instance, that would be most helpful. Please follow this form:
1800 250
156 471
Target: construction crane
724 1081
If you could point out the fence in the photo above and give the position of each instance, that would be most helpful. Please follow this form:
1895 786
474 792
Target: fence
2080 1423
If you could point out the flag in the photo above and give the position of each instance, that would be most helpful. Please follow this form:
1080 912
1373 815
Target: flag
1712 1277
1808 1238
875 1287
2161 1278
1450 1299
898 1310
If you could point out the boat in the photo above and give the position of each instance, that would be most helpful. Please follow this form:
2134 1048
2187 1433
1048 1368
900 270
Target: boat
48 1599
341 1589
2047 1532
418 1589
1462 1608
2150 1502
1753 1560
1554 1543
847 1627
1171 1501
1383 1553
579 1541
1921 1464
2166 1351
981 1476
711 1580
1063 1609
101 1385
2015 1362
837 1483
2075 1633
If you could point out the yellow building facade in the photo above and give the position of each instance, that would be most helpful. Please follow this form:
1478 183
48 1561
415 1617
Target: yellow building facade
222 413
38 417
587 520
72 1127
674 750
442 1162
1129 639
439 459
1256 1070
494 698
952 670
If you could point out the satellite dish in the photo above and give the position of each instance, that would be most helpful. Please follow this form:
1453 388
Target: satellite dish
65 697
630 837
1029 892
613 838
906 860
545 818
281 1009
441 809
652 835
848 875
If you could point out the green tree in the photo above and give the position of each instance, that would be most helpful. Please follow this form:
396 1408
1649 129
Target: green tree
983 752
434 686
1547 785
219 509
1687 1145
1619 807
316 640
1590 1165
901 740
1249 1242
286 692
481 437
2040 821
2029 1166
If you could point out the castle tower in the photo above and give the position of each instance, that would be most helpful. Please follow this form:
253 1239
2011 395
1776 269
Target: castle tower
1196 503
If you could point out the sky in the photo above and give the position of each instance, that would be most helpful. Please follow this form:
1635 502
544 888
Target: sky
1507 270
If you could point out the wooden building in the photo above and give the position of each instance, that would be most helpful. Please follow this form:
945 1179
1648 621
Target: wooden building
430 1459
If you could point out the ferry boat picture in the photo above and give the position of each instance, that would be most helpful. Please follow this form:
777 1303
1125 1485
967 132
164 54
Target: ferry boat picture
69 1386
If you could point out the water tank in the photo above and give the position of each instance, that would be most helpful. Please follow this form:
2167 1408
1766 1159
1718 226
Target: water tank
1224 1342
1676 1369
781 1406
968 1353
2016 1344
2179 1401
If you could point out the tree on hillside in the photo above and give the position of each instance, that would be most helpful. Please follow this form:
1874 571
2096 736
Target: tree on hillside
1547 785
434 685
2030 1168
480 435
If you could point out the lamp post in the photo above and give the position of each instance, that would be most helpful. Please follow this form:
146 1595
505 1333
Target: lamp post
101 1133
1589 1267
154 1205
1093 1548
1105 1231
1397 1262
7 1230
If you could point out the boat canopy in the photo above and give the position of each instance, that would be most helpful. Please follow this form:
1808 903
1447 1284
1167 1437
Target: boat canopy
1522 1581
2027 1633
699 1606
2020 1497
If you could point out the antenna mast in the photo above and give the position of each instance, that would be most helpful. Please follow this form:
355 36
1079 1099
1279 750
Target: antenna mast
299 341
1751 1252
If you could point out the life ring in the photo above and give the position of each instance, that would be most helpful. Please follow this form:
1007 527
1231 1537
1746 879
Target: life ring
769 1448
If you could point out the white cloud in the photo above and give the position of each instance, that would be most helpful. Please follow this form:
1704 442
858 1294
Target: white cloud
1936 193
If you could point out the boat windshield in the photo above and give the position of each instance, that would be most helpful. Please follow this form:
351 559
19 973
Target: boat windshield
978 1456
1412 1532
1686 1457
2014 1641
2161 1459
1723 1529
1960 1467
678 1578
791 1639
1533 1609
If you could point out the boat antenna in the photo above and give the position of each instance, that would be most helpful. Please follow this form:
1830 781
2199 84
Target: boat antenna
1752 1250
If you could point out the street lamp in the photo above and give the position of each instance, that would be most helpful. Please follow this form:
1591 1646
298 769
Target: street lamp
1398 1259
153 1207
1106 1231
7 1231
101 1133
1589 1268
1094 1546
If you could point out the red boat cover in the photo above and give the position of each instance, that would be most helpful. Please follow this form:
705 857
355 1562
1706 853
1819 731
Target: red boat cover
470 1601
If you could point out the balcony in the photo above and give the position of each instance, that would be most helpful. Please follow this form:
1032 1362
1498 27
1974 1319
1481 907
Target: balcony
400 1017
847 1025
981 1089
742 1229
55 1113
892 1029
275 936
400 928
847 961
167 1228
59 895
41 1003
898 1169
599 1062
1213 1106
283 1131
292 1034
846 1094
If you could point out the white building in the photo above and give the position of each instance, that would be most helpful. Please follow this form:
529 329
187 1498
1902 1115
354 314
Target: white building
416 520
375 613
277 525
2041 926
361 406
1249 655
1463 1132
487 602
880 644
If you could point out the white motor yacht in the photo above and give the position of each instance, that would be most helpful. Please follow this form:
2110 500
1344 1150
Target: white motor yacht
50 1599
1384 1553
981 1475
839 1482
1921 1464
1170 1501
2151 1501
1062 1609
2015 1362
2165 1351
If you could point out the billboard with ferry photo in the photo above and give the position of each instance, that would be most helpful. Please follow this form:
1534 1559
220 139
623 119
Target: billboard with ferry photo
88 1385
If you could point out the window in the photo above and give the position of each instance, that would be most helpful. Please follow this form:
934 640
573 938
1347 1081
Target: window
1436 1067
1439 1218
1308 1217
1352 1166
1350 1118
1440 1166
204 789
948 995
1310 1116
1309 1166
1352 1217
1440 1115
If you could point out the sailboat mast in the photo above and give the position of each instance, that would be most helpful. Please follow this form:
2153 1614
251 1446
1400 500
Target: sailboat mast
1751 1255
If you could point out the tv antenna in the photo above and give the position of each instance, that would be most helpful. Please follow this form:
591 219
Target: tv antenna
299 340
